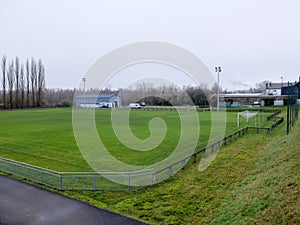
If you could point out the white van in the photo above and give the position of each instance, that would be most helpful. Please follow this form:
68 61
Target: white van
134 106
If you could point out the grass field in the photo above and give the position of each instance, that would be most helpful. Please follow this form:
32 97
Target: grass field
45 137
254 180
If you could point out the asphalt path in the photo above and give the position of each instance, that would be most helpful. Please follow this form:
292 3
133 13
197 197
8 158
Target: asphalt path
25 204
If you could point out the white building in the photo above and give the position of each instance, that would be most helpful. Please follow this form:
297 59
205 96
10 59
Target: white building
98 101
274 88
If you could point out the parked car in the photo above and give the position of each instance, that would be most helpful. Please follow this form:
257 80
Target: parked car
143 104
134 106
256 103
105 105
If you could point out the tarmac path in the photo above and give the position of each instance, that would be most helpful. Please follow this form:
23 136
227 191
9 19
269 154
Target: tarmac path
25 204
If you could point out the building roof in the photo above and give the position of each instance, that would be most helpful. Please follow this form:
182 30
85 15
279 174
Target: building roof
242 95
271 85
97 96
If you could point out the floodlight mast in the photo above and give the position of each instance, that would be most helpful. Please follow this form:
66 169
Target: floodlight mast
84 80
218 70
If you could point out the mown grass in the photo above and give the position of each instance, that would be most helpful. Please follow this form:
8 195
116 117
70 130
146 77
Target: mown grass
254 180
45 137
41 137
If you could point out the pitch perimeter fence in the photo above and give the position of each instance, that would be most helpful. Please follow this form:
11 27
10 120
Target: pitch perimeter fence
115 180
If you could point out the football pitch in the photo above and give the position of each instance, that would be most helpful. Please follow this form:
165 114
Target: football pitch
45 138
253 180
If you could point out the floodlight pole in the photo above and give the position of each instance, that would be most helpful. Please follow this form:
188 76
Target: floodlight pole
218 70
84 80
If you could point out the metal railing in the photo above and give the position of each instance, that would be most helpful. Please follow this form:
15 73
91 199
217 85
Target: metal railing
73 180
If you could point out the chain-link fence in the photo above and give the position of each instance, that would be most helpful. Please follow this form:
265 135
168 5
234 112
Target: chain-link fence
292 105
74 180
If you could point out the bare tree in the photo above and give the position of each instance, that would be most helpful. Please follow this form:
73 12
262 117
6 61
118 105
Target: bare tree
33 81
27 84
17 81
3 64
58 97
10 79
199 95
40 83
22 86
261 87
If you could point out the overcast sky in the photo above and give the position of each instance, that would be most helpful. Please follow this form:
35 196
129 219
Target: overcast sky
253 40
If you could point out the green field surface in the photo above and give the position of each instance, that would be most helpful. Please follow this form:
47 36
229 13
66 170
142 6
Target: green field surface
254 180
45 138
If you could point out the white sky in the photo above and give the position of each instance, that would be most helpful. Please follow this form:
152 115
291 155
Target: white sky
252 40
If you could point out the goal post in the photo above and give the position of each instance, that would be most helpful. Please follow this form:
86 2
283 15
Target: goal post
246 114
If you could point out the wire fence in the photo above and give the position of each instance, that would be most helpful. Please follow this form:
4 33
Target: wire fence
186 108
115 180
74 180
292 105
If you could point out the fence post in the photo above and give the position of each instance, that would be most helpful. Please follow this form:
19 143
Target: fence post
41 176
9 168
95 183
183 164
24 171
60 182
195 158
129 181
153 178
213 147
170 171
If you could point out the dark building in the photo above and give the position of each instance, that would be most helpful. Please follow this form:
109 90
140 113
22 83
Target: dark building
284 90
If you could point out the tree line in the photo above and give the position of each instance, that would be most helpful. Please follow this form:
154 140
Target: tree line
168 95
23 85
58 97
164 95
